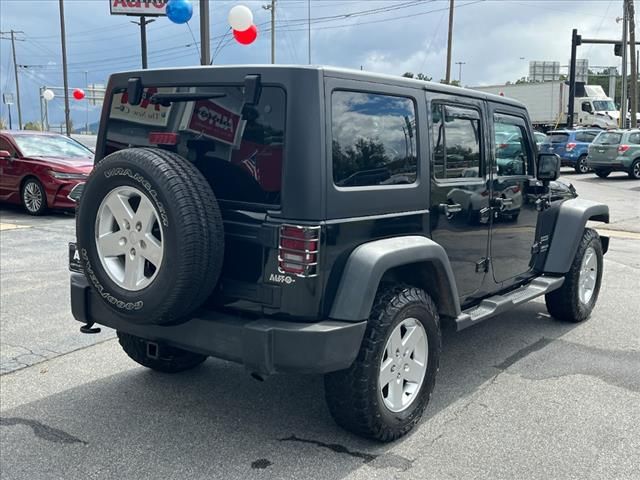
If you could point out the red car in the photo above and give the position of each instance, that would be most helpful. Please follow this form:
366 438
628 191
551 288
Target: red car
40 170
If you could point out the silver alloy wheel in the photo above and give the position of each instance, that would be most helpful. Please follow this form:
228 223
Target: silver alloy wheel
32 196
403 365
636 170
129 238
582 165
588 275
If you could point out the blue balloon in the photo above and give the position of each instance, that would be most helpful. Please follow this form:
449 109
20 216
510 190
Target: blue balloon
179 11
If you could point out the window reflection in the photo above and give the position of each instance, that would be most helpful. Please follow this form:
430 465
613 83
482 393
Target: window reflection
374 139
456 139
511 148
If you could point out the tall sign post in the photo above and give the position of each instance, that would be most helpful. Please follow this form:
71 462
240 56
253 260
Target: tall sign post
142 9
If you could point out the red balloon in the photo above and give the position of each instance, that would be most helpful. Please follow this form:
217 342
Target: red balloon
247 36
78 94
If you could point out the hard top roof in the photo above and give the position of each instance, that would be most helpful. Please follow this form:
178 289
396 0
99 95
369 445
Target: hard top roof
347 73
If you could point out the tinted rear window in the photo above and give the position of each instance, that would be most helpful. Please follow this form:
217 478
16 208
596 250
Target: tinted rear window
241 157
586 137
557 137
608 138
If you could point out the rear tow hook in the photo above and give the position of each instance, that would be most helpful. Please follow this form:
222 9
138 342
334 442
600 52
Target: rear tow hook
89 328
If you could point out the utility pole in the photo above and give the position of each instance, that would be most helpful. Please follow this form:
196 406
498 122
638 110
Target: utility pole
633 88
143 38
625 49
309 27
447 77
205 36
13 39
272 7
86 120
64 69
460 71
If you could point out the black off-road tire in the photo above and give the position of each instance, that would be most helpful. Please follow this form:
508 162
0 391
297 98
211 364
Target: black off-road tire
353 394
564 303
35 184
193 237
581 164
170 359
602 173
634 170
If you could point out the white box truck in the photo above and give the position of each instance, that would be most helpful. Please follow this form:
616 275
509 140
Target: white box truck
548 103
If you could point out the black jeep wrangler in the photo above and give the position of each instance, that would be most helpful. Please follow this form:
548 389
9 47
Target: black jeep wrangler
318 220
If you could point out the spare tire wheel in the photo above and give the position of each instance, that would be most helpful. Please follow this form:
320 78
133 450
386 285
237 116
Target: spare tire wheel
150 235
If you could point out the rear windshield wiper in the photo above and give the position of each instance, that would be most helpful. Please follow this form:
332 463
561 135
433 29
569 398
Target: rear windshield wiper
165 99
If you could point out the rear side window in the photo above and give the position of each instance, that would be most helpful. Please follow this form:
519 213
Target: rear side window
557 137
456 140
373 139
241 157
634 138
608 138
586 137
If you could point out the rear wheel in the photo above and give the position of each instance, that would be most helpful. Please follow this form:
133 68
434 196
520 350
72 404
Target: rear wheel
34 198
581 165
574 301
602 173
159 357
634 171
384 393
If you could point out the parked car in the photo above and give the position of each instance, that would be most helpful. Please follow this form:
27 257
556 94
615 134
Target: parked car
315 220
572 146
42 170
540 138
616 151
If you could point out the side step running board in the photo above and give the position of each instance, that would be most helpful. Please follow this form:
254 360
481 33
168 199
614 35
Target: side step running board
492 306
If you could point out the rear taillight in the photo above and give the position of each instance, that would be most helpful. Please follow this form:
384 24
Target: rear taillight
502 146
570 146
164 138
298 250
623 148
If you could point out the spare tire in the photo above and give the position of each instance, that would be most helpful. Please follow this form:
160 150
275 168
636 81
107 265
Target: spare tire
150 235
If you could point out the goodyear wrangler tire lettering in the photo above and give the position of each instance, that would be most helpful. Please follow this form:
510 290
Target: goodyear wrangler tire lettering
150 235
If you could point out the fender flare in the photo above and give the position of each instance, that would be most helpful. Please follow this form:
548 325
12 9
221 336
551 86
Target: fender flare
369 262
570 224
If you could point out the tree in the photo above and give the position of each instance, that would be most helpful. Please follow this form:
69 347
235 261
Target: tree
455 83
3 124
419 76
33 126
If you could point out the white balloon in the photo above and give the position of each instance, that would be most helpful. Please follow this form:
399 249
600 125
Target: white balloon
48 95
240 18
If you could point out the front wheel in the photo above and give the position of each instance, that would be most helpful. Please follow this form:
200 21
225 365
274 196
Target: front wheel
581 165
384 393
34 198
602 173
161 358
574 301
634 171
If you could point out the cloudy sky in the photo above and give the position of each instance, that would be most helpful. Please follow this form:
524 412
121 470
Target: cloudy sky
495 38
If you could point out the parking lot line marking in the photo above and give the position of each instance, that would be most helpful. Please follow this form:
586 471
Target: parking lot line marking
11 226
619 234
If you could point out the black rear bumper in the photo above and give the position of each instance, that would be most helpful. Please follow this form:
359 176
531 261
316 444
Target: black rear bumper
264 346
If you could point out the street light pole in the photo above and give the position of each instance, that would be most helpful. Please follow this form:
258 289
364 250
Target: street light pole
64 70
143 38
86 82
460 71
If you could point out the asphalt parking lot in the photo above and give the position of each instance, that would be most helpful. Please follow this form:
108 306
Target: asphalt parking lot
518 396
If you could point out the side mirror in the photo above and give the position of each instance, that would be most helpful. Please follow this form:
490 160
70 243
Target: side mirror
548 167
5 154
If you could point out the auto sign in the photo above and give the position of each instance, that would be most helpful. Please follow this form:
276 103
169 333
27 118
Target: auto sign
138 7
